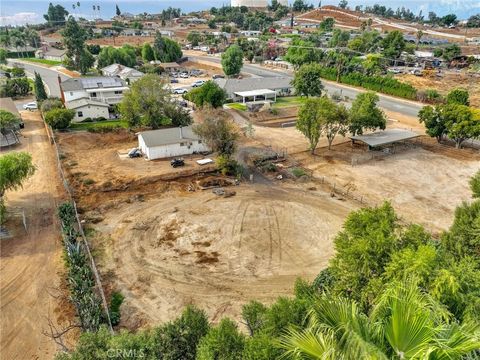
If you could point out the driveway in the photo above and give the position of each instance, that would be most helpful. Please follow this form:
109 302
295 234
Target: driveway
31 261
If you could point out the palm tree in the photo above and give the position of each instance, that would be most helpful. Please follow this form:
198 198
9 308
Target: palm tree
404 324
17 39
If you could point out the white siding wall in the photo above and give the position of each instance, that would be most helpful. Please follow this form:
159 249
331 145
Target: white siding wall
165 151
91 111
73 95
55 58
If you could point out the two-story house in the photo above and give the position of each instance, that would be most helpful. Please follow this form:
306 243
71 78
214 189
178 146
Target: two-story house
92 97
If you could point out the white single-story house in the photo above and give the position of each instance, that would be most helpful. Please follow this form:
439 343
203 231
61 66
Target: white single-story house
85 108
164 143
249 89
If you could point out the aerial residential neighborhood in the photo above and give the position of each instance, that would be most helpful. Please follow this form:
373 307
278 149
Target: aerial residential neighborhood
254 179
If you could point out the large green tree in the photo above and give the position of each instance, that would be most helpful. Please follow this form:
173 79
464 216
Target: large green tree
223 342
461 123
475 185
149 102
232 60
307 80
40 92
56 15
124 56
147 52
365 114
208 94
15 168
393 44
74 37
166 50
434 123
219 133
308 122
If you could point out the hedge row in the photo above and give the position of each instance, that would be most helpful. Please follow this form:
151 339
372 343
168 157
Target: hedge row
79 273
385 85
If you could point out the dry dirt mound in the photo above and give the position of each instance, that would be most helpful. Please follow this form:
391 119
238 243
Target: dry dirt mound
215 252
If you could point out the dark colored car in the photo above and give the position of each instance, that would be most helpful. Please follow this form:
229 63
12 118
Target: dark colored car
218 76
173 81
177 163
134 153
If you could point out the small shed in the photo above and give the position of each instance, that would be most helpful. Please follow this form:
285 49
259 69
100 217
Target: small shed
164 143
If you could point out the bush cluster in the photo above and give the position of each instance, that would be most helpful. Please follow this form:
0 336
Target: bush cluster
382 84
80 277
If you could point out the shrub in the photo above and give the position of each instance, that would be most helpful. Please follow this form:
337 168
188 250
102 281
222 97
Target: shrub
87 120
50 104
59 118
100 118
228 166
114 310
298 172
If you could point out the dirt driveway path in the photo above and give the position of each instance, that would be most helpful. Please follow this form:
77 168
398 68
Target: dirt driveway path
30 263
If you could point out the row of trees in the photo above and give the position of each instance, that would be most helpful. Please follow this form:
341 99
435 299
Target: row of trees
321 116
392 291
454 119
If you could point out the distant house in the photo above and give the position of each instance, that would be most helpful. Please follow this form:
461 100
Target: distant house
250 33
168 33
123 72
85 108
50 53
280 85
169 67
164 143
130 32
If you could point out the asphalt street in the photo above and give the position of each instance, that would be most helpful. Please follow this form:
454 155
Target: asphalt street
388 103
49 77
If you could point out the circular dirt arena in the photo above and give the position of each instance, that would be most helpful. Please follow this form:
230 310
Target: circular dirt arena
215 252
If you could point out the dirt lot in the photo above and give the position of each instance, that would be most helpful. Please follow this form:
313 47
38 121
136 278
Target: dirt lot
217 253
424 183
31 264
447 83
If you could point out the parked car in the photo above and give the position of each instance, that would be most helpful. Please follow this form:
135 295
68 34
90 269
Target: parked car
184 75
30 106
196 72
180 91
198 83
394 71
218 76
173 81
177 163
134 153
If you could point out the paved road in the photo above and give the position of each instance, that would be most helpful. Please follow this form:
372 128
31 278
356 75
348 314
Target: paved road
49 76
388 103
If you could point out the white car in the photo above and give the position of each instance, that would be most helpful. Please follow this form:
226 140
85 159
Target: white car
198 83
180 91
30 106
184 75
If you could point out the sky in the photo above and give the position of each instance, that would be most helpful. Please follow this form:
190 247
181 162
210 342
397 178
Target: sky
21 12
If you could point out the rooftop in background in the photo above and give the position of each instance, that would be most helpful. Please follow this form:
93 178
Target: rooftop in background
385 137
248 84
168 136
101 82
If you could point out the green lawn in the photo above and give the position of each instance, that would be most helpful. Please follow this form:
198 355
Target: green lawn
99 125
238 106
43 61
289 101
